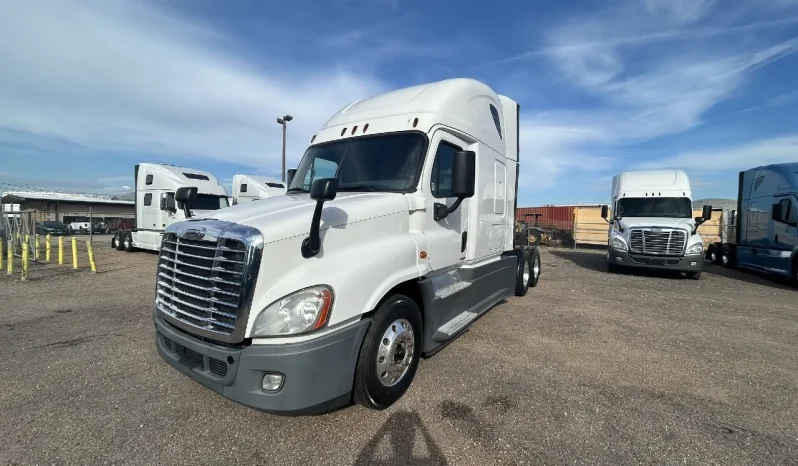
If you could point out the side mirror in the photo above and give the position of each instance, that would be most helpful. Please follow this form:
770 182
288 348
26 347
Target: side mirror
464 179
775 212
290 176
322 189
605 211
707 212
183 195
464 169
170 203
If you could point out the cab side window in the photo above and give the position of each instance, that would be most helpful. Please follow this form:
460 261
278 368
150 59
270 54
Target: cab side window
787 214
441 178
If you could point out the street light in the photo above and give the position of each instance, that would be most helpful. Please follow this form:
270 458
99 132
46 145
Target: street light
282 121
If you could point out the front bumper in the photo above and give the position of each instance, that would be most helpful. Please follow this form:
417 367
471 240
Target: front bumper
692 263
318 374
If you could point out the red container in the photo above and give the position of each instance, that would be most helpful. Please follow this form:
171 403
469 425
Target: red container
551 217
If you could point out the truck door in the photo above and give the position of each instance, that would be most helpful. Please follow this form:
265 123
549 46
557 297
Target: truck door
784 233
445 236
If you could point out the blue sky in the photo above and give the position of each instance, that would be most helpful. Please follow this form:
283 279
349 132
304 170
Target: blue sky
88 88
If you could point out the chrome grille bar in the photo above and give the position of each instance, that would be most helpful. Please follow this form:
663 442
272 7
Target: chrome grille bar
657 241
206 275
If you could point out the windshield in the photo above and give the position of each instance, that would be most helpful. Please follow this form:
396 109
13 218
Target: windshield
208 202
675 207
386 162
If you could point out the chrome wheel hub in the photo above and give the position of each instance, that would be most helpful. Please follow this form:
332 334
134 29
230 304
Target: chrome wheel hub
395 353
536 268
526 272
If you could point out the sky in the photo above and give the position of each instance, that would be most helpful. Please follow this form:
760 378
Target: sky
88 88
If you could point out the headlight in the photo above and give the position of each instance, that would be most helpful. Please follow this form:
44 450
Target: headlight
299 312
619 244
696 248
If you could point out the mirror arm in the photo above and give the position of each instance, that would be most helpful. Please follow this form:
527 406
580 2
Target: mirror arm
442 210
312 244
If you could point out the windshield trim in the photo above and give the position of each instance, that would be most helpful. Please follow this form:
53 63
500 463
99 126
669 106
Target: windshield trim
416 176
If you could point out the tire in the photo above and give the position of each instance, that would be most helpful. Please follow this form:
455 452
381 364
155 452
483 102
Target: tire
127 242
536 267
693 275
115 242
394 313
523 274
727 256
794 274
714 255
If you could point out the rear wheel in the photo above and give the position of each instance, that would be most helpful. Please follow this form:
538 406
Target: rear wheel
115 242
727 256
523 274
127 242
714 255
534 238
536 268
389 354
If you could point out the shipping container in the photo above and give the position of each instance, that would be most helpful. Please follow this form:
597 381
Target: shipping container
555 217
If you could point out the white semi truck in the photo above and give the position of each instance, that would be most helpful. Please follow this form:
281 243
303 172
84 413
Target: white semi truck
156 186
653 225
248 188
395 235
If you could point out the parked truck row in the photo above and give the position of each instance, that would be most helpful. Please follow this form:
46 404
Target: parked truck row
394 234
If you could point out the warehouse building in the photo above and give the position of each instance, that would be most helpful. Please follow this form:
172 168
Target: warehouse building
62 207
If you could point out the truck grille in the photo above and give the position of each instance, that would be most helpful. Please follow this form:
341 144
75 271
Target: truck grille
206 283
664 242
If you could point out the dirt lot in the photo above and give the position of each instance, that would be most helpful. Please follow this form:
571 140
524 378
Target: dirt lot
588 368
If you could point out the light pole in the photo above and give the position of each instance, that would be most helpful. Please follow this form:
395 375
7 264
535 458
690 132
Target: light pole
282 121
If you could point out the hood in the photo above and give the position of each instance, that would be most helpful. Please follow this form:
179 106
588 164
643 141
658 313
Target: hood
631 222
286 216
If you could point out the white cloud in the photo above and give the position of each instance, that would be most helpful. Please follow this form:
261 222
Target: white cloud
126 77
647 74
737 157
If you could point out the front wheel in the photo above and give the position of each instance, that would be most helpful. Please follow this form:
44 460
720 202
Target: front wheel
693 275
390 353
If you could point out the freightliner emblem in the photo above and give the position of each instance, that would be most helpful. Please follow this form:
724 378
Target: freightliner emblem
194 233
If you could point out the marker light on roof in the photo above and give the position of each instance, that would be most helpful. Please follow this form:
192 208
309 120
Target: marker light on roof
415 122
365 127
354 128
313 139
343 131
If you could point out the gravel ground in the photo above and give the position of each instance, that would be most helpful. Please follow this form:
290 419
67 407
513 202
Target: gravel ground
588 368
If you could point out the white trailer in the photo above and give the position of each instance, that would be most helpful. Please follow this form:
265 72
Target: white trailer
395 235
653 225
156 208
248 188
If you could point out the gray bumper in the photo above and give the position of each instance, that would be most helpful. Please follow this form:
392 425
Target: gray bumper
693 263
318 374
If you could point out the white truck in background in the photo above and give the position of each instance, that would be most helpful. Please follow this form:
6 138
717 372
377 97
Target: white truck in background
156 187
395 235
652 224
248 188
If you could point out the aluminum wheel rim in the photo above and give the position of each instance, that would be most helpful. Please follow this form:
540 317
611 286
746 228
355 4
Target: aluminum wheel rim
725 259
395 352
127 242
526 271
536 268
116 241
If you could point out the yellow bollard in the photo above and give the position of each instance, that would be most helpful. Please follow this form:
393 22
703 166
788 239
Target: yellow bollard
91 257
25 262
47 247
10 257
60 250
74 253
